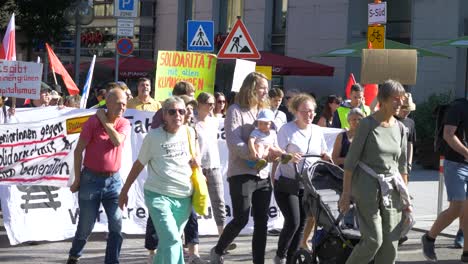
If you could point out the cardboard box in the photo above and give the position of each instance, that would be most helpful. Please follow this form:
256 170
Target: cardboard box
379 65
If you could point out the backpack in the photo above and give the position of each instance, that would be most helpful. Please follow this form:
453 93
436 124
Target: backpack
440 145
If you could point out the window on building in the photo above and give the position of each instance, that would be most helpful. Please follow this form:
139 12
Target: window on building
103 8
278 34
235 8
398 27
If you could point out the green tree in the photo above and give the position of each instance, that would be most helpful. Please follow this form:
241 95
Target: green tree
39 21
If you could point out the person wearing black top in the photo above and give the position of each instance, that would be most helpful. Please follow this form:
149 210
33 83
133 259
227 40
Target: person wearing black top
456 177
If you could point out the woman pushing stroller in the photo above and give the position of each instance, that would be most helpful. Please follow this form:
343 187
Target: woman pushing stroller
298 137
373 171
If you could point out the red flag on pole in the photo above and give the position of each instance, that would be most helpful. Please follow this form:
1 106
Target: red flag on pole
370 92
350 83
57 67
9 44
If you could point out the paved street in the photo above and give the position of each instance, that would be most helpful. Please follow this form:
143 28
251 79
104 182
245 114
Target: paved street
423 188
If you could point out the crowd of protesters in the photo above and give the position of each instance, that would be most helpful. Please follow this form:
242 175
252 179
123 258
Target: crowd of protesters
263 126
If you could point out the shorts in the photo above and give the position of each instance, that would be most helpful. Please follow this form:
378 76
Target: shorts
456 180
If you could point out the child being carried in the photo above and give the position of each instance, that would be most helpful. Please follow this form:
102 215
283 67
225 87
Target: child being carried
262 140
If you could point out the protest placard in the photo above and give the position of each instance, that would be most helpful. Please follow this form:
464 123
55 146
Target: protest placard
242 69
20 79
173 66
383 64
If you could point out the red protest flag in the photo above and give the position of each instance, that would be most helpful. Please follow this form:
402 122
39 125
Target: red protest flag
369 45
370 92
2 52
9 42
350 83
57 67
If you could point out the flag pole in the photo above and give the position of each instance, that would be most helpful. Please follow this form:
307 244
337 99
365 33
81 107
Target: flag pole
55 77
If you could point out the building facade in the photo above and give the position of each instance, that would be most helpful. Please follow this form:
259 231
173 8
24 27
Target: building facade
304 28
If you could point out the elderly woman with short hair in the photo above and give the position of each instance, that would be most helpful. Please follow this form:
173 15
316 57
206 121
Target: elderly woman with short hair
168 188
378 156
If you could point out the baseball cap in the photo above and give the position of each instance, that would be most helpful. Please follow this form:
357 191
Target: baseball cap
266 115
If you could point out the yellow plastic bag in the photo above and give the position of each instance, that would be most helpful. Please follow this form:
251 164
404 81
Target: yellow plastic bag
200 195
200 192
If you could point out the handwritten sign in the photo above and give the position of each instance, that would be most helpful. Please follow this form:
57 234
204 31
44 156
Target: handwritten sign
377 13
39 153
173 66
20 79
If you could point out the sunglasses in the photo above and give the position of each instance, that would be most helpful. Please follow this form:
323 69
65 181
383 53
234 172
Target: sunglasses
210 104
221 101
174 111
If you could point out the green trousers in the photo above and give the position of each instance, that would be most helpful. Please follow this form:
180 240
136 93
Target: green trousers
379 224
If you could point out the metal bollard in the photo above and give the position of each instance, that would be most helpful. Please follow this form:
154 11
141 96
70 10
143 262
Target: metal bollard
441 185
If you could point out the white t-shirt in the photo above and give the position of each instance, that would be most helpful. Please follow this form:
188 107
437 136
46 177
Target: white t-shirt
293 139
280 119
208 141
168 156
263 138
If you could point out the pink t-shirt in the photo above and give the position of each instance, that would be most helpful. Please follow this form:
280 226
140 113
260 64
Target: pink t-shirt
101 155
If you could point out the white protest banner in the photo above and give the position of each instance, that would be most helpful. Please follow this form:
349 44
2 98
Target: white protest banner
20 79
242 69
33 213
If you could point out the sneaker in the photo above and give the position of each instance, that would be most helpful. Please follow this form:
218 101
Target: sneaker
459 239
194 259
72 260
278 260
402 240
231 246
285 158
428 249
261 164
215 258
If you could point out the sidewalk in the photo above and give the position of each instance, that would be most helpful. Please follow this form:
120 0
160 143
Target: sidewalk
423 187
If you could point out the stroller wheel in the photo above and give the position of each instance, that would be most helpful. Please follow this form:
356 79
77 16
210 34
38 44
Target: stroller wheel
302 256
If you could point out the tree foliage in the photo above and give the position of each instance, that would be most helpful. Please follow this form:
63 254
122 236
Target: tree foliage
39 21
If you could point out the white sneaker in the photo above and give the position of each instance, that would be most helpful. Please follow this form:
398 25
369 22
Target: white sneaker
194 259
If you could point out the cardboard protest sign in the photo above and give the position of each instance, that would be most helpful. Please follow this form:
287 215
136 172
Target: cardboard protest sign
20 79
381 65
174 66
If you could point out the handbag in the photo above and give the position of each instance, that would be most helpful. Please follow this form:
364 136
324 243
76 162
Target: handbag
200 195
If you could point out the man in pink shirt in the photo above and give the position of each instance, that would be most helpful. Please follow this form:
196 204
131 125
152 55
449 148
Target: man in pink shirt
102 136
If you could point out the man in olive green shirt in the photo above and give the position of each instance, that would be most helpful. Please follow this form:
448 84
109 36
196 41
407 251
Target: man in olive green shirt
143 100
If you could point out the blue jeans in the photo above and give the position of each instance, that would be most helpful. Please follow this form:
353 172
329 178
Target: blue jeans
93 191
169 215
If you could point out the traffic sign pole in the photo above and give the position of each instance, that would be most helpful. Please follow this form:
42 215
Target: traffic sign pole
116 74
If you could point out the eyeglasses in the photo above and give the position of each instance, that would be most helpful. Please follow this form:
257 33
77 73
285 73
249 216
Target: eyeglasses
221 101
210 104
174 111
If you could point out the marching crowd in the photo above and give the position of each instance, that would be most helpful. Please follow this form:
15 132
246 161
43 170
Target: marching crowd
266 142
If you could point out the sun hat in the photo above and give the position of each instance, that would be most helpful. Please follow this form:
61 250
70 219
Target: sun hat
266 115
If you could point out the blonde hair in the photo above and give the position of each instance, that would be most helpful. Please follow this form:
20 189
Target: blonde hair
247 95
297 100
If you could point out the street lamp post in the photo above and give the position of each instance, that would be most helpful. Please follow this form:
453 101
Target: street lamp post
79 13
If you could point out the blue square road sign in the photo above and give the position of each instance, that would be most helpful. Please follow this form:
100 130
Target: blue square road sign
200 35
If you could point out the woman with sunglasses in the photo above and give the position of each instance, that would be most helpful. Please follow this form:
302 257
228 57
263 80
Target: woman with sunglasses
168 188
248 187
207 130
220 105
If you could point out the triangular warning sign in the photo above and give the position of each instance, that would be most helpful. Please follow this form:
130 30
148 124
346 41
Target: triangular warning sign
238 44
200 39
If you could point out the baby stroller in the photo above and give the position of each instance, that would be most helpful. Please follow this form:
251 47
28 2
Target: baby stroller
334 241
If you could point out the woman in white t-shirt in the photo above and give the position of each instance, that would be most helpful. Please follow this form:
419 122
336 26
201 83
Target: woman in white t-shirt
168 188
297 137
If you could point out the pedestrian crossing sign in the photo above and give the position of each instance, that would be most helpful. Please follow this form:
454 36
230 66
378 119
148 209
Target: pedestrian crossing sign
200 35
239 44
